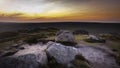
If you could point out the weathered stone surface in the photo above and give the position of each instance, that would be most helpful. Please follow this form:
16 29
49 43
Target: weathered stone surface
65 36
93 37
62 54
56 55
99 57
65 57
31 57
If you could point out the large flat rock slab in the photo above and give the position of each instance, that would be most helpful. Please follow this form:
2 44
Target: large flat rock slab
32 57
99 57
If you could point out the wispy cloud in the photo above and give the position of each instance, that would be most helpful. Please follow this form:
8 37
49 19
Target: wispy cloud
62 9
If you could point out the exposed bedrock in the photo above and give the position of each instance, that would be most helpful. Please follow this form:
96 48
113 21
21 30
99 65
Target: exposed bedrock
57 55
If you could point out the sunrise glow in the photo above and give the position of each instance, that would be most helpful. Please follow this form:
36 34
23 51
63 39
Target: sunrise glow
64 10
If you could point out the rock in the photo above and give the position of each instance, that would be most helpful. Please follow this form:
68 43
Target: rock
56 55
62 54
36 50
93 39
25 46
50 43
26 61
98 57
65 36
31 57
11 50
105 49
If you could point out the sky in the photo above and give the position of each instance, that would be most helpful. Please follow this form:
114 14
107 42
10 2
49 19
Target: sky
60 10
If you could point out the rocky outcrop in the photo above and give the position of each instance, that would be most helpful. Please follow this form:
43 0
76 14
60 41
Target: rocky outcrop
63 54
56 55
66 56
31 57
65 36
99 57
95 39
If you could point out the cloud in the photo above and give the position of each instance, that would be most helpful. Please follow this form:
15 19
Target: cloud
39 5
15 9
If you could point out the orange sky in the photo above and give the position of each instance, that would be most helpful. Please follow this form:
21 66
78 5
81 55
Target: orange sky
59 10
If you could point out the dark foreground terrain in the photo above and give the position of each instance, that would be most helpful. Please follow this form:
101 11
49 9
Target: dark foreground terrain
60 45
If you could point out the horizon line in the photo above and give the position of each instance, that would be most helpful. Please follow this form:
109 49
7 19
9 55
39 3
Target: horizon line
61 22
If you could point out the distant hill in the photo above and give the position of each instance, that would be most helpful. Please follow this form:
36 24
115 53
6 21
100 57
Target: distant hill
93 27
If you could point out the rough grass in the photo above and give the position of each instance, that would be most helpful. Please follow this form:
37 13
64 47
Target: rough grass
118 58
81 40
80 62
51 38
8 34
52 63
95 41
113 44
3 45
80 37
